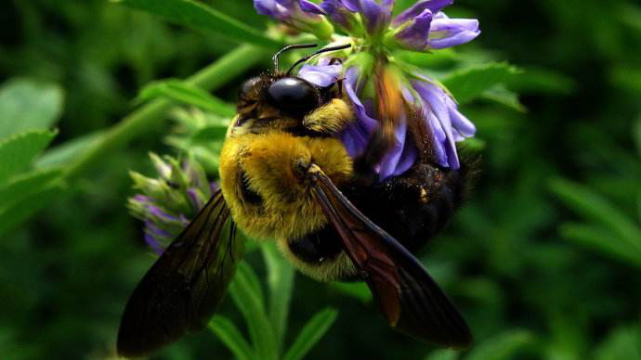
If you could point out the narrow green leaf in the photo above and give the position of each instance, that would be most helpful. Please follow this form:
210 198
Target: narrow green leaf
250 280
471 82
27 105
596 208
311 333
636 135
280 279
605 242
229 334
209 134
202 17
18 151
26 184
359 290
67 152
503 346
181 91
249 300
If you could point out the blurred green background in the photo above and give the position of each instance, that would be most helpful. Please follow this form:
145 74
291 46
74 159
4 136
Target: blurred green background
544 260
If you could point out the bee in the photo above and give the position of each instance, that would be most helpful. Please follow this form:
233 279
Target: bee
285 175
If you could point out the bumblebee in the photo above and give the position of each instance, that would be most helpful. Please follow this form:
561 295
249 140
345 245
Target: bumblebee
285 175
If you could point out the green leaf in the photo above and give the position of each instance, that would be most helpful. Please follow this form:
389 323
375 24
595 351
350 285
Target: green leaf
202 17
503 96
280 279
596 208
503 346
311 333
358 290
25 185
209 134
68 151
183 92
535 80
605 242
18 151
12 216
622 343
27 105
246 293
229 334
469 83
443 354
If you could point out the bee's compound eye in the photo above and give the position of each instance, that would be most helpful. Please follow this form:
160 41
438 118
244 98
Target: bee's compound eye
293 94
248 85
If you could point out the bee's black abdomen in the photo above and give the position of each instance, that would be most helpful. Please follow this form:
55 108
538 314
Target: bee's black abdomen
317 247
415 206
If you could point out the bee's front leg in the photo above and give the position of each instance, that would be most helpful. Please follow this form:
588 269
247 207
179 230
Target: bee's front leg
330 118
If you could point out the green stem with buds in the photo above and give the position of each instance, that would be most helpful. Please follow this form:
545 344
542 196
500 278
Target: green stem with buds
211 77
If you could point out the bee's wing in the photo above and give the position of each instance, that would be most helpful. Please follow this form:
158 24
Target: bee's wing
182 289
411 301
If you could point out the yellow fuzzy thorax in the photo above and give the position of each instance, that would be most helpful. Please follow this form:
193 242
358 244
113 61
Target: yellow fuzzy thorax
271 163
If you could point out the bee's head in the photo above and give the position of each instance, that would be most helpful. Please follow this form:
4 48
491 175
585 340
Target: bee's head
279 100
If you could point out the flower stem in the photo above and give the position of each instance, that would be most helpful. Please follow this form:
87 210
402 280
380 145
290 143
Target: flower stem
211 77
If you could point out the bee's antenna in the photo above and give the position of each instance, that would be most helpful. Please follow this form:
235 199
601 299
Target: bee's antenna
324 50
287 48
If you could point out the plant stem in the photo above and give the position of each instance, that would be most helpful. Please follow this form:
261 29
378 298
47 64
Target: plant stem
211 77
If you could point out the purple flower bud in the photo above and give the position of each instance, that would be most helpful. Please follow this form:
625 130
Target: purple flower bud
376 16
434 31
154 244
446 32
196 201
299 14
415 34
160 214
339 12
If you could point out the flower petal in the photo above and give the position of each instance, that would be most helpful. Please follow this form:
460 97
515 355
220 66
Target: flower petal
433 5
322 76
376 16
415 35
356 136
310 7
446 32
435 99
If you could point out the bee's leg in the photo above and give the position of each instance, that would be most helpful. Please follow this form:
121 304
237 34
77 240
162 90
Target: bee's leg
330 118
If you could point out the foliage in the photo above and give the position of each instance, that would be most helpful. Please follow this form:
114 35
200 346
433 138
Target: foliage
544 259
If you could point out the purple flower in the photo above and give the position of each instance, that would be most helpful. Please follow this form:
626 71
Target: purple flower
448 125
321 75
446 32
376 14
339 14
374 32
356 136
417 9
168 202
299 14
429 30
